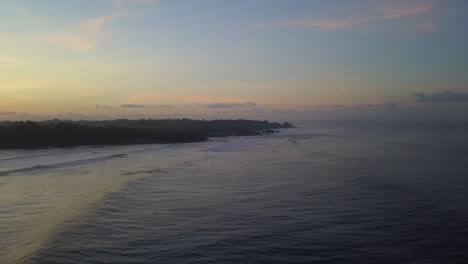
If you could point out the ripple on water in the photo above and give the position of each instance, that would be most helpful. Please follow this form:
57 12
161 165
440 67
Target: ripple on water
350 197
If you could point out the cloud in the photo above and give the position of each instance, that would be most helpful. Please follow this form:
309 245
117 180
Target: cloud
426 26
142 106
28 15
3 113
385 105
86 34
104 106
320 24
148 2
441 97
378 14
132 106
230 105
403 10
332 106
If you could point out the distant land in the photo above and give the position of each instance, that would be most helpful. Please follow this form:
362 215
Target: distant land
59 133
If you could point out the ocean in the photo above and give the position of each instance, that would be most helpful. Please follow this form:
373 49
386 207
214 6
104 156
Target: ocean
368 191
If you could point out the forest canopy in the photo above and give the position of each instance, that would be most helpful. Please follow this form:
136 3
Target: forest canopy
60 133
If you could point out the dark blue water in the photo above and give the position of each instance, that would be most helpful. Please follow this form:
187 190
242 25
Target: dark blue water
328 192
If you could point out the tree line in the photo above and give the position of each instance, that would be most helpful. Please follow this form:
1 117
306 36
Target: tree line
60 133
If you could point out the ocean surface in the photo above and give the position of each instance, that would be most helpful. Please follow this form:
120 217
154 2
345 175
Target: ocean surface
325 192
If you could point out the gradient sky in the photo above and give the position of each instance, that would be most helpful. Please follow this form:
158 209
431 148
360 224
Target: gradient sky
266 59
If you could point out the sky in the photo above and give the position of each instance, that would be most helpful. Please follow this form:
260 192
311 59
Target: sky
257 59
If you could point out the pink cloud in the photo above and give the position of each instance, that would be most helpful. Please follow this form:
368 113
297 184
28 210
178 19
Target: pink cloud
426 26
322 25
87 33
404 10
379 14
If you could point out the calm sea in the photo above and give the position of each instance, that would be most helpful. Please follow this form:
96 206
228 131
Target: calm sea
325 192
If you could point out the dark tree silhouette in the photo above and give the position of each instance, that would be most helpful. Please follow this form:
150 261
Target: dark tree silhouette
57 133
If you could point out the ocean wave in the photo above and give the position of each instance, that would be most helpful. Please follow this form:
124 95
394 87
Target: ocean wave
234 145
73 163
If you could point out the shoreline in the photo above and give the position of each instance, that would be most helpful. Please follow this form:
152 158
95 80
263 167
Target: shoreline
68 134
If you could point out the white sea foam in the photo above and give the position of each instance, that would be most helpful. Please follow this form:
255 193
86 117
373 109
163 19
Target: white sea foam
235 144
26 161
